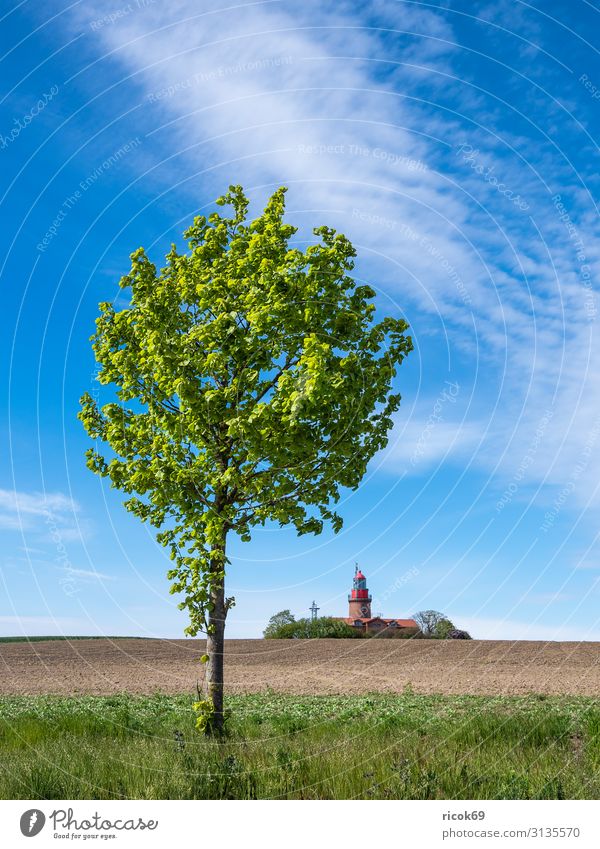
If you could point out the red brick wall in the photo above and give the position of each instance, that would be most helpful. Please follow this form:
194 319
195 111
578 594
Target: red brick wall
354 611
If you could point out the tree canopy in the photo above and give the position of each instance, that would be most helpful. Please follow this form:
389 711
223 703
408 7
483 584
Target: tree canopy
428 621
277 621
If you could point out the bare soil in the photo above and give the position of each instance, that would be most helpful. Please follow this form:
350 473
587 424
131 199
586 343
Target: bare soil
106 666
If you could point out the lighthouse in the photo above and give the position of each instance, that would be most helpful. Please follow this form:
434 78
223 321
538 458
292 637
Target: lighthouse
359 600
360 617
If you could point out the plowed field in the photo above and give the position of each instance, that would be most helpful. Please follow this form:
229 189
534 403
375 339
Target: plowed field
105 666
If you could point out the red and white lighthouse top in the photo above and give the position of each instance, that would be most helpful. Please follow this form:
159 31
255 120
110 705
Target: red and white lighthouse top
359 586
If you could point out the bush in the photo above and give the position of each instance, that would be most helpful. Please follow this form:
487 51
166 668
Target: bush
455 634
324 626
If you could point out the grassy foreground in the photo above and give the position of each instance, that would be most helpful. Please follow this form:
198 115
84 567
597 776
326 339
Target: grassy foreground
321 747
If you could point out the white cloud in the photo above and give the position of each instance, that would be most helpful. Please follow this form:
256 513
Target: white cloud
80 532
50 517
321 100
88 575
419 447
29 550
36 503
20 510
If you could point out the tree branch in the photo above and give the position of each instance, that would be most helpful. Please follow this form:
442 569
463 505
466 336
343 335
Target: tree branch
289 363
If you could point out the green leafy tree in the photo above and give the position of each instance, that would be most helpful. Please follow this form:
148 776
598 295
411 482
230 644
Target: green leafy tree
284 617
442 629
251 386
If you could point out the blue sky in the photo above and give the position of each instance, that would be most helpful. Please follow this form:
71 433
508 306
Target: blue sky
456 145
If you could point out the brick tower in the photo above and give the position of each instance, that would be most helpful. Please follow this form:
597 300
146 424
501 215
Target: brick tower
359 600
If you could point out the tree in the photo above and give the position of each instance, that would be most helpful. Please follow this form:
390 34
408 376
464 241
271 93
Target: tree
251 386
442 628
427 620
278 620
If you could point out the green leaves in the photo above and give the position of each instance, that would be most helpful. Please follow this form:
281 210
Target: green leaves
251 386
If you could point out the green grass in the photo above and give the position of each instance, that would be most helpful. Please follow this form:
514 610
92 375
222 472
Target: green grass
322 747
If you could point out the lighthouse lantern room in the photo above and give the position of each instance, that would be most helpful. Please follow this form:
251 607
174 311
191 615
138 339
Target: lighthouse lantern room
359 600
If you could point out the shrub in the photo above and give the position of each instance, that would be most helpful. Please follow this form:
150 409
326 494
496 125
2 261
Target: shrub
324 626
455 634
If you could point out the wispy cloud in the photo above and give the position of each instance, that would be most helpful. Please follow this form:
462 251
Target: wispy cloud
47 517
88 575
79 532
340 105
20 510
417 449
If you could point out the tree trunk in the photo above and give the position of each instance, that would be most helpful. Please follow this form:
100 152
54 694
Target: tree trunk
215 645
